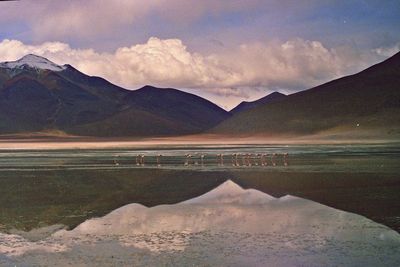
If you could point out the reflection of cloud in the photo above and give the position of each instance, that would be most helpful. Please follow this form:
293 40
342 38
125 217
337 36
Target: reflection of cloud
228 226
292 65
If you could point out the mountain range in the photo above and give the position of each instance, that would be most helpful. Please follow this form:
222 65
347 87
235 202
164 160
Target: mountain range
366 101
38 95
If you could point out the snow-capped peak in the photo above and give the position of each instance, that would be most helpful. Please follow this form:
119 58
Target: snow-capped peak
32 61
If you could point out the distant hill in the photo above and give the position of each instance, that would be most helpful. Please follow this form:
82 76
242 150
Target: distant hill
369 100
273 97
151 111
38 95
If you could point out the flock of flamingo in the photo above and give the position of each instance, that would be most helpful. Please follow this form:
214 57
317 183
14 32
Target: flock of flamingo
236 159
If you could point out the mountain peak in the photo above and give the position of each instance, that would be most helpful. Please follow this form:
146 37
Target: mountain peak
33 61
272 97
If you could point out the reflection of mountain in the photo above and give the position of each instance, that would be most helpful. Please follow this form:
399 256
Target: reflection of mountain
69 187
37 95
369 100
228 226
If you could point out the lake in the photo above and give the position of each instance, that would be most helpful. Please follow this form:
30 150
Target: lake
61 189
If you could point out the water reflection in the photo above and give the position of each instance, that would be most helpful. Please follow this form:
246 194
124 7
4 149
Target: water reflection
206 156
41 188
228 226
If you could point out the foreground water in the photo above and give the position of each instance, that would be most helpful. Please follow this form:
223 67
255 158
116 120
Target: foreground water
228 226
44 191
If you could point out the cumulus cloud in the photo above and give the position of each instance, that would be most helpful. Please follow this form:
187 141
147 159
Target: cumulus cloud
289 66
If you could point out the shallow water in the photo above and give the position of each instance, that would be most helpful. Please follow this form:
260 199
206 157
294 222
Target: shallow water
228 226
40 188
342 158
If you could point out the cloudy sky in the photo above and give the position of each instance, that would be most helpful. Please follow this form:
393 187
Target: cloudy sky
224 50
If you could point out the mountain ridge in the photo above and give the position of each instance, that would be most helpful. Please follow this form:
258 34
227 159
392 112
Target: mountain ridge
245 105
367 100
42 100
35 98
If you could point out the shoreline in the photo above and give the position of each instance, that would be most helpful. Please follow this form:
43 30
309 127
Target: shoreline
79 142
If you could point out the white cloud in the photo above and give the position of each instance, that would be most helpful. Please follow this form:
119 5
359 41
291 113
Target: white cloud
388 51
289 66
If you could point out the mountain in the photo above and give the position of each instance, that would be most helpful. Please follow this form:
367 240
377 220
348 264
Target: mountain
369 100
273 97
38 95
151 111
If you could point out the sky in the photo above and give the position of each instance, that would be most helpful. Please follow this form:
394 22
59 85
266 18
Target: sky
227 51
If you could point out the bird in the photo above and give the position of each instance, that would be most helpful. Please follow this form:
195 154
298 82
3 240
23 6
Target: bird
243 159
285 159
249 159
142 159
264 161
202 156
116 163
273 159
158 160
236 160
257 159
187 161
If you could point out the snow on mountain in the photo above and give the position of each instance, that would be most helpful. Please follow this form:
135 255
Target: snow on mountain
32 61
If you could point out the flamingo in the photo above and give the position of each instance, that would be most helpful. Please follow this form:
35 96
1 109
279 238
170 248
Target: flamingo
249 159
158 160
285 159
264 160
187 162
236 160
257 158
273 159
202 159
243 159
116 160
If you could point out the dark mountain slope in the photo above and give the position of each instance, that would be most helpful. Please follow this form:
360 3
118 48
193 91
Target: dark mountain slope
369 99
158 112
38 95
177 105
273 97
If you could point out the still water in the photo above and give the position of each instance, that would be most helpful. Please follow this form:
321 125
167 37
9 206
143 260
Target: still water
54 189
